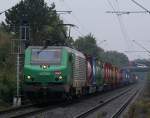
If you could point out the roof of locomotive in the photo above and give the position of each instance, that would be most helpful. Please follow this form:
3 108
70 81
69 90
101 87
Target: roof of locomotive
77 53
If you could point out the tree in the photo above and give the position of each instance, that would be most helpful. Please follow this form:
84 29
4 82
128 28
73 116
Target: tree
116 58
44 22
7 68
87 45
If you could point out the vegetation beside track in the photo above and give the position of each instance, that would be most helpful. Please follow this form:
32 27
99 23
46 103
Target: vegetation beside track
7 69
141 108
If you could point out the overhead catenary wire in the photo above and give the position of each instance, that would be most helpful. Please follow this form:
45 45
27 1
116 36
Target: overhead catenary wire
141 46
122 27
125 12
75 28
126 37
75 17
131 12
138 4
125 33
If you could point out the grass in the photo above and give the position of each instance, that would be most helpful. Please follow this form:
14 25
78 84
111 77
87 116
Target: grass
3 105
141 108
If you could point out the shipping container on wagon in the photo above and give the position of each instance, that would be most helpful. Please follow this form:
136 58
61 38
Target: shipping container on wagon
114 73
132 78
91 73
117 77
120 78
91 65
99 75
125 76
107 74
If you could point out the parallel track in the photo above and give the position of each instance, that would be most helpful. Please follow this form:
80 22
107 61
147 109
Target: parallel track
95 108
124 106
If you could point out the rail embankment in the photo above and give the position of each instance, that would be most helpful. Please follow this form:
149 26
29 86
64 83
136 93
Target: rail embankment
141 107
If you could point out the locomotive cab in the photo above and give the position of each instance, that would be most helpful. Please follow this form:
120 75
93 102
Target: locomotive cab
47 69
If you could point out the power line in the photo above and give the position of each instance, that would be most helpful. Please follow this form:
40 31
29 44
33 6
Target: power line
75 16
75 28
141 46
121 24
111 5
125 12
148 11
133 51
79 32
130 12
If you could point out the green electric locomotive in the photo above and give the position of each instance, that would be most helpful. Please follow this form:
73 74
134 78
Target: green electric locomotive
62 72
55 70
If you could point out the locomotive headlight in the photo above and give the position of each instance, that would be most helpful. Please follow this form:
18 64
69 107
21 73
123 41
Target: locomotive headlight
28 77
60 77
44 67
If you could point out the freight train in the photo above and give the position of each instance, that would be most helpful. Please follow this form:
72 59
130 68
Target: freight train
63 72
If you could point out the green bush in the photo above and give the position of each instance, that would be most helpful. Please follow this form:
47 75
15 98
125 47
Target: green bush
7 69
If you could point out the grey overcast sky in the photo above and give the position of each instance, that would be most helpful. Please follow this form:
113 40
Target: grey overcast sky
90 16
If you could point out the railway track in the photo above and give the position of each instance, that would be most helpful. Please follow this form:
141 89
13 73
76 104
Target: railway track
124 106
31 110
26 110
100 105
14 111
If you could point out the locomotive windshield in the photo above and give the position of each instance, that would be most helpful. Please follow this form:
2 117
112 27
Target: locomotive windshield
51 56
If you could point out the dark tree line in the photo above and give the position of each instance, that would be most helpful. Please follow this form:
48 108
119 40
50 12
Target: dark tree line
43 20
88 45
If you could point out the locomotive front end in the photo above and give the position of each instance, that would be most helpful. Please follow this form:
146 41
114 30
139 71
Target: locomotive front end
45 71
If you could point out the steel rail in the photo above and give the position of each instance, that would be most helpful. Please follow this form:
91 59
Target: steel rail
124 106
93 109
13 109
